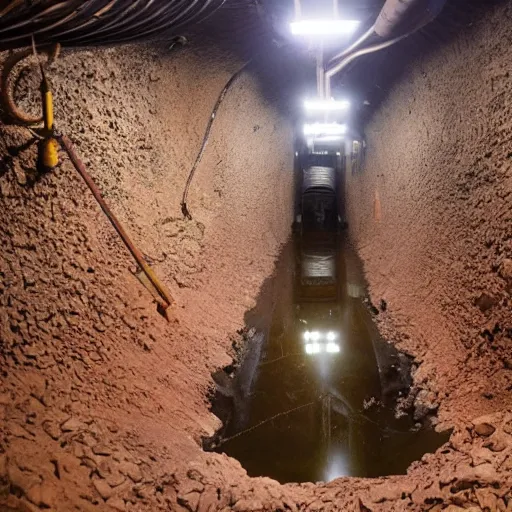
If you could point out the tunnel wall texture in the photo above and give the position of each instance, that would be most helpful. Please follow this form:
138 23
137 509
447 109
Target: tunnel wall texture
103 404
431 215
86 361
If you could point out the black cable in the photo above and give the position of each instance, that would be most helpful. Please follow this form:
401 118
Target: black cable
230 82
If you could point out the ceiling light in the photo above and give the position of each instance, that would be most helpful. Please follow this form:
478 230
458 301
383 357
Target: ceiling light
326 105
324 27
313 348
328 138
332 348
324 129
315 335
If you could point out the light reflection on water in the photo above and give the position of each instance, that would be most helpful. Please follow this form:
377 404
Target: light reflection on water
315 395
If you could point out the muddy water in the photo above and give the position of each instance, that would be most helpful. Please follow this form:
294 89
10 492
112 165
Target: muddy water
315 396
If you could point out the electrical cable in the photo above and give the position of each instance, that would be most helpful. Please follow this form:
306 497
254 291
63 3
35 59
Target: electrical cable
97 22
355 55
222 95
358 42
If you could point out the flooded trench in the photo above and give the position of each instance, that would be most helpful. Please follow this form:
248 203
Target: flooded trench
315 395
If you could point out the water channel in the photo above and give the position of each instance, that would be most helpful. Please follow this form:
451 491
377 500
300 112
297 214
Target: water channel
315 395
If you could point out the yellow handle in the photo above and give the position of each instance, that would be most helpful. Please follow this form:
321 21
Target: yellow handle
50 153
48 111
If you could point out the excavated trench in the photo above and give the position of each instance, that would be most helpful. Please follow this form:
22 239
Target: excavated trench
105 406
298 409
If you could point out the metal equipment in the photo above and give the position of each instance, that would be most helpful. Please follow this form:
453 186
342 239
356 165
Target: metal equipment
49 141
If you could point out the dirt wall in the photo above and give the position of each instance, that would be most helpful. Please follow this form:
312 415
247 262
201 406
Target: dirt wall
95 385
431 216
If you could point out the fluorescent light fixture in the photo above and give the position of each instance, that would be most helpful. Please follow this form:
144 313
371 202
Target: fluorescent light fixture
331 336
328 138
323 27
332 348
313 348
326 105
325 129
315 336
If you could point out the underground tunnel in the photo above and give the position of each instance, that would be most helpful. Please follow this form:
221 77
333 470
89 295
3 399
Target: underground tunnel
256 255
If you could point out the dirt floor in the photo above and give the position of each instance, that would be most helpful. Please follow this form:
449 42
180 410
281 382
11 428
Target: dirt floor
104 404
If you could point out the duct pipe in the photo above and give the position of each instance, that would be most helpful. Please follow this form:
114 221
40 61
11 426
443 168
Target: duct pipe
395 11
390 16
353 56
96 22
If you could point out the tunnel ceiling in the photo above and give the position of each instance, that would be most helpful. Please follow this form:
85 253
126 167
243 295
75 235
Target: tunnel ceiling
368 80
96 22
249 28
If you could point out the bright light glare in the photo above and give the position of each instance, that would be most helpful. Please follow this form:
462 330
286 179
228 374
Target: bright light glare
332 348
328 138
331 336
326 105
313 348
315 335
307 335
324 129
324 27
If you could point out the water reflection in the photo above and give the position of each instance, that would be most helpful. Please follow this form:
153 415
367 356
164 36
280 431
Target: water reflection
314 398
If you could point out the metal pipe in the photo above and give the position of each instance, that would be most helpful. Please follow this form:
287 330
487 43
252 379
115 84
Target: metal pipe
320 70
355 55
391 14
298 9
354 45
164 294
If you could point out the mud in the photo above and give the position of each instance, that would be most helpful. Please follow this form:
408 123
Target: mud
104 406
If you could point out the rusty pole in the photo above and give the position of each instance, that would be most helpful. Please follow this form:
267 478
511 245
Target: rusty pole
162 291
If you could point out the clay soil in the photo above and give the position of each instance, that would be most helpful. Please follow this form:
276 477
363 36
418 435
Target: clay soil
104 403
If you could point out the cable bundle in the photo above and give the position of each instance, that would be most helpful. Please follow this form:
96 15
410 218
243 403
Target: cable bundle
95 22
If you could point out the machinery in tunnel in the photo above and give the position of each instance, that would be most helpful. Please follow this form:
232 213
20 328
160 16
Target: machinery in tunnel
319 202
318 386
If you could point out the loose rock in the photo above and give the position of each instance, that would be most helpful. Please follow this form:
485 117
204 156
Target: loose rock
483 426
116 504
104 490
72 425
131 470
